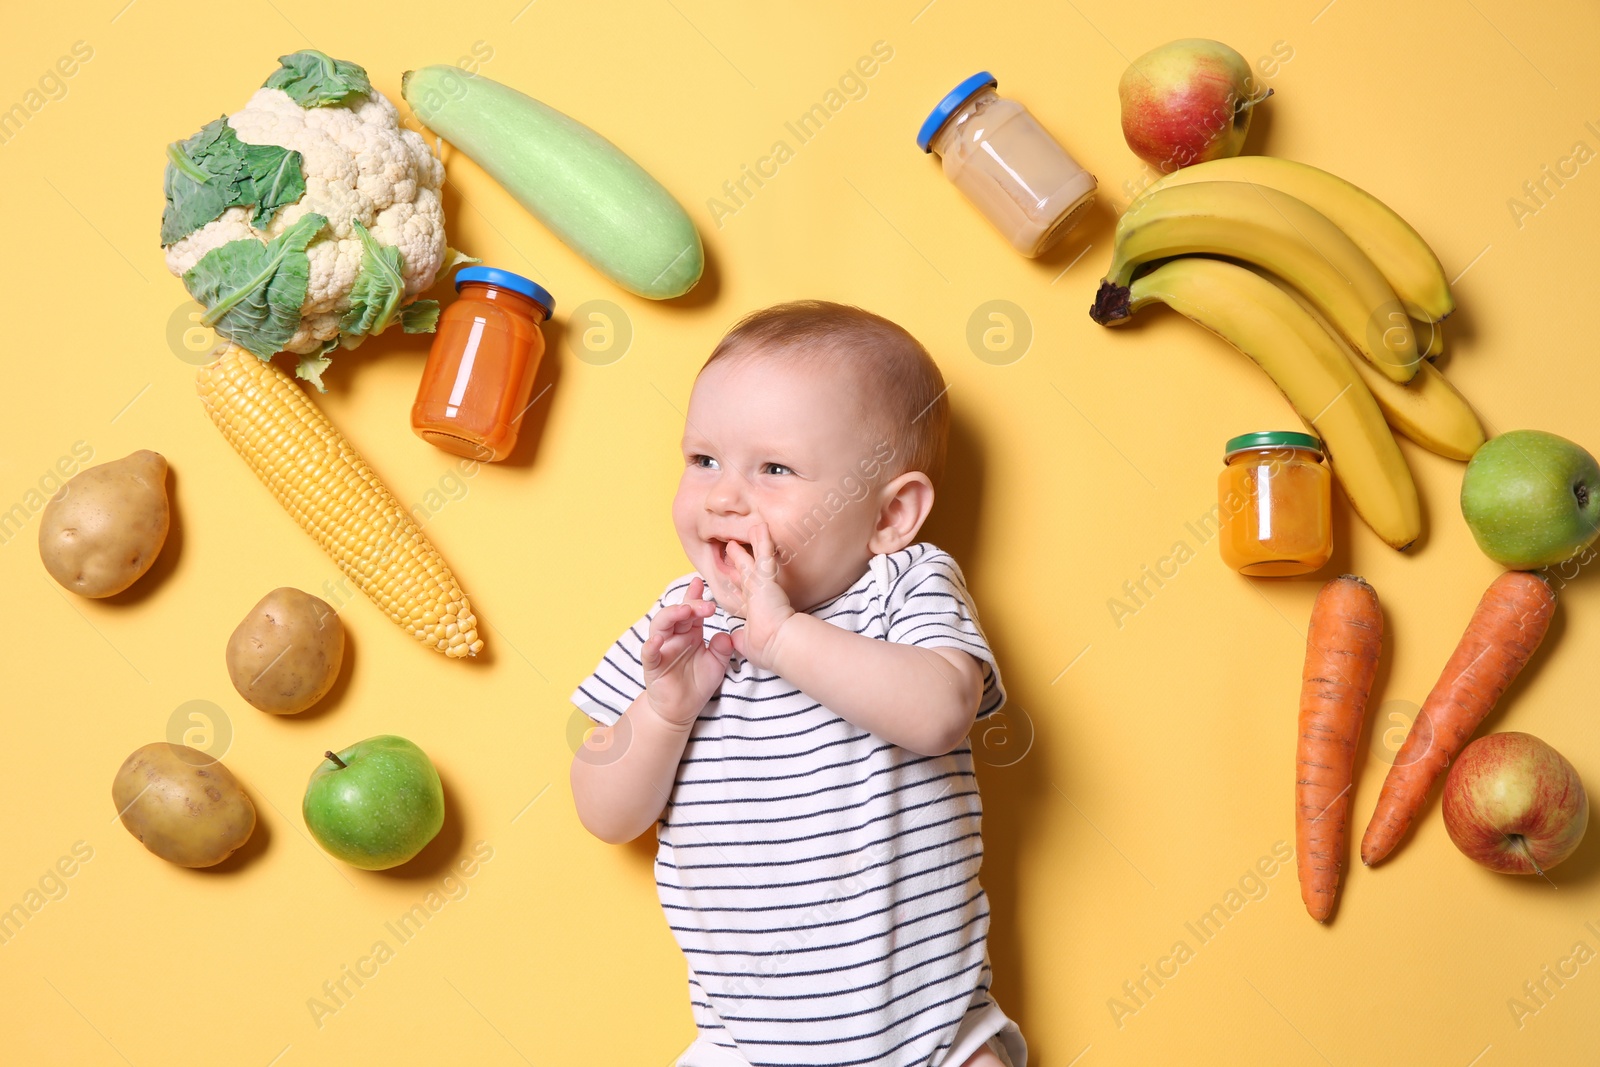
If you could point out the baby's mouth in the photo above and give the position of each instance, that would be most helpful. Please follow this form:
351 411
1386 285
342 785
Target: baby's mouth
720 547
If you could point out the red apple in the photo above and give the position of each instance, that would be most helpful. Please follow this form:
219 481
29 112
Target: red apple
1186 102
1514 804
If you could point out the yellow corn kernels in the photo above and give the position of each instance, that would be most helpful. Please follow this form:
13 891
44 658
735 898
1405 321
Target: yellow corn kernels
331 492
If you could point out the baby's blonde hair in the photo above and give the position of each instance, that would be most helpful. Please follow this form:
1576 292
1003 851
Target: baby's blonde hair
890 365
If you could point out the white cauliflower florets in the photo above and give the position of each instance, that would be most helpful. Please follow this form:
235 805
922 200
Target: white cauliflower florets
359 164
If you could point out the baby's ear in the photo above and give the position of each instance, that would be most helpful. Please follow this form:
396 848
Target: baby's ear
903 506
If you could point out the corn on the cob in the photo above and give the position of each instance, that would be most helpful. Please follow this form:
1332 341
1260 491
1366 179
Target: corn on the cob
336 498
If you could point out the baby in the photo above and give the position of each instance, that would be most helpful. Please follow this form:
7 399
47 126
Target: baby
818 822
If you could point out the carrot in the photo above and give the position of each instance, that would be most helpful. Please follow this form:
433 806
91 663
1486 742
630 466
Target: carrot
1507 626
1342 647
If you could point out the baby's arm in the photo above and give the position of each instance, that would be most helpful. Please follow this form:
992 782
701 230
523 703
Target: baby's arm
618 797
922 699
623 773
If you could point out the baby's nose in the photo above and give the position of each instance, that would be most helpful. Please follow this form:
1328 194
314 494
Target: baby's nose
727 495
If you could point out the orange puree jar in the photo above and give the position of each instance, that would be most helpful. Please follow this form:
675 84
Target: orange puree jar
1276 504
481 367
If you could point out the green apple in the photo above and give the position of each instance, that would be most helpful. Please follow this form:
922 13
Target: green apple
1531 499
375 804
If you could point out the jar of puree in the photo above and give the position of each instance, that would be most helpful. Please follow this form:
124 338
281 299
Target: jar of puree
476 384
1275 499
1008 165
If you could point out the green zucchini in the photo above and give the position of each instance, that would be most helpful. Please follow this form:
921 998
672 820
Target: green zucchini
591 195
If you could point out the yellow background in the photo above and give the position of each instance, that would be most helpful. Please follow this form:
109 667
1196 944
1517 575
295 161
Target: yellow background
1160 768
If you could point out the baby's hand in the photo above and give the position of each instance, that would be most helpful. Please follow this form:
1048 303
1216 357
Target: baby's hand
766 605
681 670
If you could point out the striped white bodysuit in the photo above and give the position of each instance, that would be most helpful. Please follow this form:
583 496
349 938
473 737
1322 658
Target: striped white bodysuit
821 881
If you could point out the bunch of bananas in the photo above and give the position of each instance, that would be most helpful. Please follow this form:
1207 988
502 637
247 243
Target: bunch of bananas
1333 294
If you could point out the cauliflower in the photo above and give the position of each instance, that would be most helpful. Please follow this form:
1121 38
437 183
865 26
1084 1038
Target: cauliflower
245 194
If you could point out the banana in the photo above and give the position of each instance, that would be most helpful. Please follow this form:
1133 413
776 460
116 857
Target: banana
1253 315
1401 255
1427 409
1275 231
1434 348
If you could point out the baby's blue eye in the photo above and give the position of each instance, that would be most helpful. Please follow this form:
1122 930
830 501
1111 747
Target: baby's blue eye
703 462
776 468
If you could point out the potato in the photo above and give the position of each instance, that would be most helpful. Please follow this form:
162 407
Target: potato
186 807
285 655
104 528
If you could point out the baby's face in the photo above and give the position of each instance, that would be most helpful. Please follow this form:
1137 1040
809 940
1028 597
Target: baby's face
786 442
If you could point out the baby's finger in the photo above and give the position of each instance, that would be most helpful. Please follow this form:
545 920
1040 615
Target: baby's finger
699 611
694 600
674 618
676 649
766 552
650 653
742 561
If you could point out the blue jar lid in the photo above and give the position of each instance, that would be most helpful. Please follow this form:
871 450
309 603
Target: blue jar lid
506 280
948 106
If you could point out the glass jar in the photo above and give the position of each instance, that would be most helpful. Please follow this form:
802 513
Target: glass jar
1008 165
481 367
1275 497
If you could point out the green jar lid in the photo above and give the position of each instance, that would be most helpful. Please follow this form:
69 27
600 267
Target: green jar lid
1270 439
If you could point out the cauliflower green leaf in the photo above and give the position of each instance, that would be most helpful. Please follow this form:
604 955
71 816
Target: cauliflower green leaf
375 297
310 367
315 79
214 170
420 316
252 291
453 258
270 182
